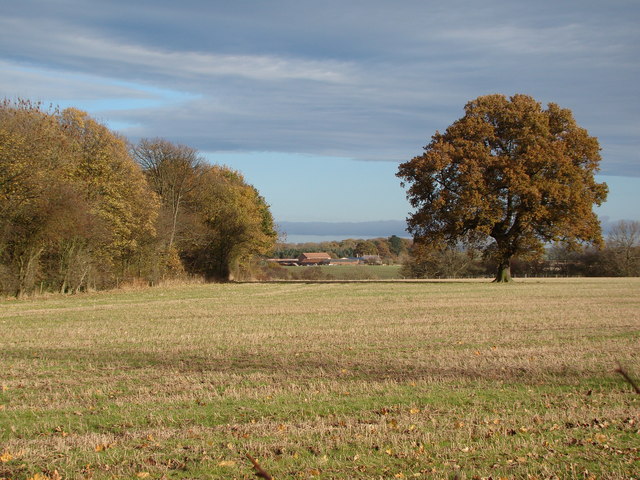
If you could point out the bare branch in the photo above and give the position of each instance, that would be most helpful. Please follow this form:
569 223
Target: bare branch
626 376
260 472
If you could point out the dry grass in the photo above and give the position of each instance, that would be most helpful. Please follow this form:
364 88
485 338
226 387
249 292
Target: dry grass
379 380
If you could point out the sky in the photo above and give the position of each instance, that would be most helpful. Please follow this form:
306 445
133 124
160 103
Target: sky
317 103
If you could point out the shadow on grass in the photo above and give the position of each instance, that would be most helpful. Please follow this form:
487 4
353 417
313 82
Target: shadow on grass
299 368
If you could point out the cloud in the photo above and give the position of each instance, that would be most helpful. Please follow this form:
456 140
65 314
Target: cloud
99 52
571 39
368 81
62 86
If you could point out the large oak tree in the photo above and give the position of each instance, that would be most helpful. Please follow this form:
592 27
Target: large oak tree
509 171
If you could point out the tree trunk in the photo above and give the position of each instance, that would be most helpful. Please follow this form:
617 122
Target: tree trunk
219 270
174 225
504 272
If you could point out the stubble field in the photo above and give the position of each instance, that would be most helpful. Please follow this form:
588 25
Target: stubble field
331 380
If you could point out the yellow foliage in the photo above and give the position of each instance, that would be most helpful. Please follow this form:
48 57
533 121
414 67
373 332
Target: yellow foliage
507 170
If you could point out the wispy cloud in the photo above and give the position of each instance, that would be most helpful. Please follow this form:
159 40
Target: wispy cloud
77 48
369 82
520 40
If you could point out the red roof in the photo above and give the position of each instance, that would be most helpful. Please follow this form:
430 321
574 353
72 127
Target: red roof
316 256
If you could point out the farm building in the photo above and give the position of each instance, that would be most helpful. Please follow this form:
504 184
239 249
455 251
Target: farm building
320 258
285 262
305 259
344 261
371 259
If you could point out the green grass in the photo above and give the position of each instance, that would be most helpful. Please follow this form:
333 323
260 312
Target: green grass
345 272
355 380
362 272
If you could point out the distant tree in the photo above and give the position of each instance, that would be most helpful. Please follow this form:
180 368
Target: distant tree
365 247
382 249
347 248
450 262
397 245
507 171
623 242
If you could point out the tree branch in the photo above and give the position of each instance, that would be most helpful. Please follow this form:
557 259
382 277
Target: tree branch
626 376
260 472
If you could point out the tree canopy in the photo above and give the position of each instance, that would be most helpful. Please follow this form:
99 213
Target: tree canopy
234 224
77 211
509 171
212 223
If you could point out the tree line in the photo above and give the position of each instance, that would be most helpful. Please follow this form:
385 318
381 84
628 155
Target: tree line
391 250
618 257
81 208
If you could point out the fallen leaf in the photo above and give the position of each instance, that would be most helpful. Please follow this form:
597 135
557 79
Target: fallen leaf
38 476
600 438
226 463
143 474
6 457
